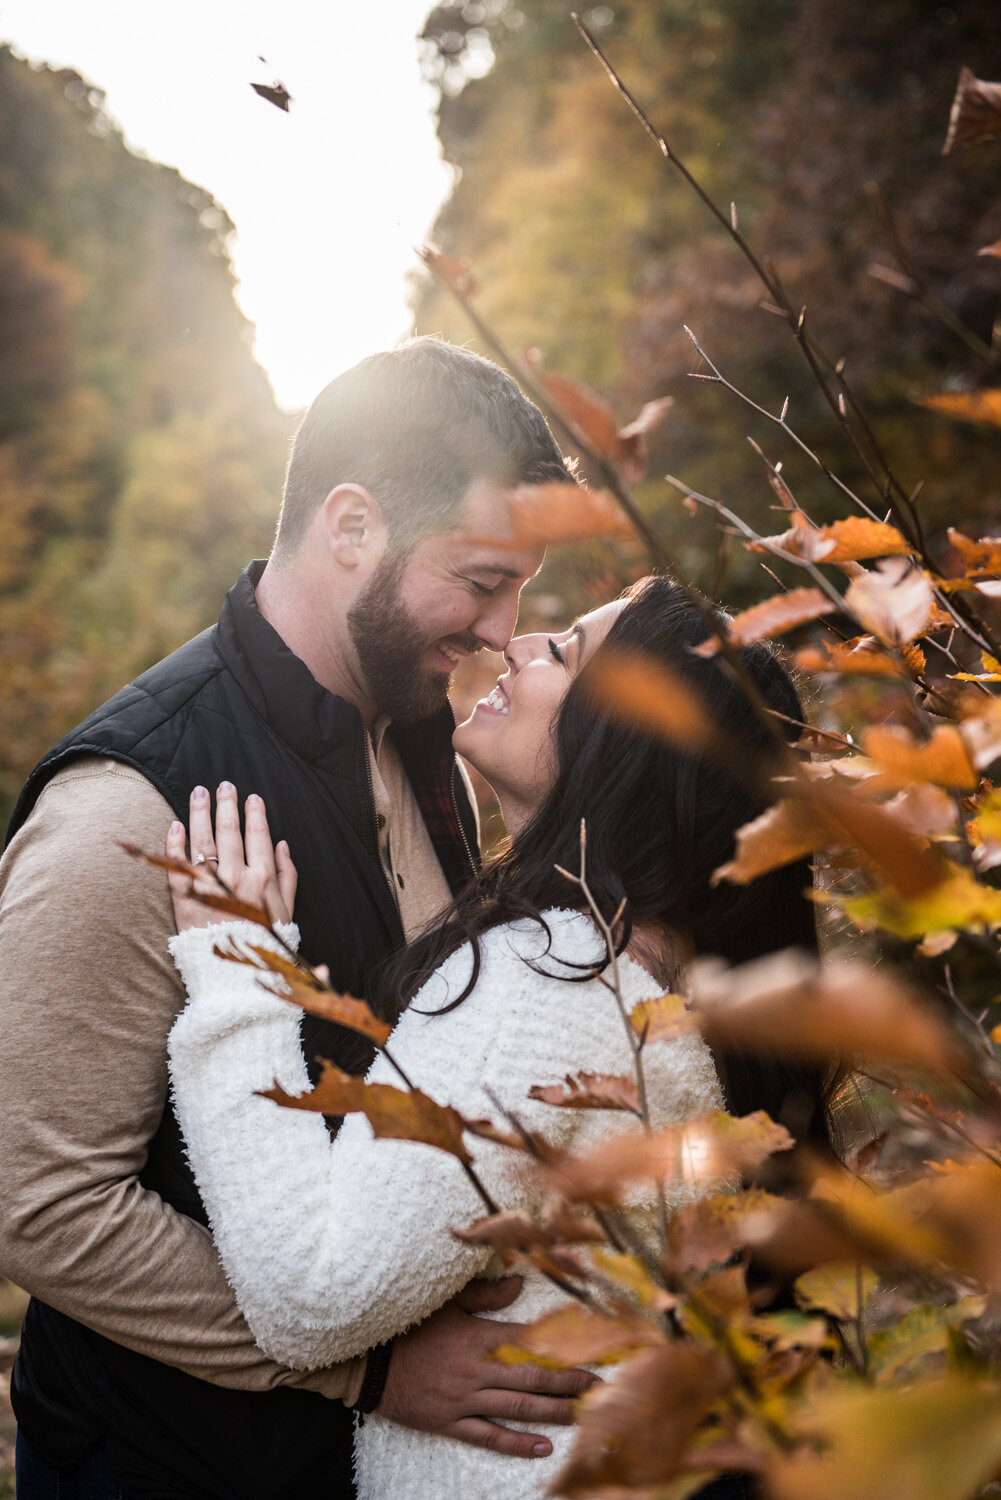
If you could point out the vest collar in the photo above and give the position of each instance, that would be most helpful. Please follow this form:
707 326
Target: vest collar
321 727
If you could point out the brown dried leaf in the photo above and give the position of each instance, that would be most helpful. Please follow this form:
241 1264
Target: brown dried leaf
590 413
705 1148
786 831
590 1091
629 1273
982 558
631 452
851 540
834 1288
634 1430
232 906
892 601
650 696
943 759
772 617
405 1115
454 273
577 1336
556 512
507 1233
792 1005
708 1232
860 656
975 114
302 988
911 865
982 407
662 1019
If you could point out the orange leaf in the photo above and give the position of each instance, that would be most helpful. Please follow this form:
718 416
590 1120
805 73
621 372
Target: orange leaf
975 114
786 831
912 866
790 1004
577 1336
590 1091
943 759
983 407
851 540
649 696
454 273
631 452
232 906
707 1232
892 601
661 1019
558 512
849 657
590 413
406 1115
772 617
303 989
983 557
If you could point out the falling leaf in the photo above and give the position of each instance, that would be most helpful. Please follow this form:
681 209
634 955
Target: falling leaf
454 273
772 617
649 696
275 93
661 1019
793 1005
983 407
834 1288
707 1232
942 759
892 601
577 1336
634 1430
851 540
590 1091
975 114
406 1115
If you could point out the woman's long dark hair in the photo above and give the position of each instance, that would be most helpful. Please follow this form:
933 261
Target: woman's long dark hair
660 820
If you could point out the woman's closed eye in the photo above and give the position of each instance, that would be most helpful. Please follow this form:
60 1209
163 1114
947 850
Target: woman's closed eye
556 652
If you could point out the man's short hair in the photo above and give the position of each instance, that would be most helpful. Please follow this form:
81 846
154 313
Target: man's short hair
415 426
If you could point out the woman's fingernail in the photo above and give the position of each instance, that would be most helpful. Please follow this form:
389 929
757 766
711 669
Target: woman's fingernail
199 793
226 786
253 800
542 1450
176 828
282 847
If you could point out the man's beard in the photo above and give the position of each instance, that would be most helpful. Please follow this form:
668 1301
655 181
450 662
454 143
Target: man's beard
391 649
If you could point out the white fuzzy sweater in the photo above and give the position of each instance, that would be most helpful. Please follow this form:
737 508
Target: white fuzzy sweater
332 1247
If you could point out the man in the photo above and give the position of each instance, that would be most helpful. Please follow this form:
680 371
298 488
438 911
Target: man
322 688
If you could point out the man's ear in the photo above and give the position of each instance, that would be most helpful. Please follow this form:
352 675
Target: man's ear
353 525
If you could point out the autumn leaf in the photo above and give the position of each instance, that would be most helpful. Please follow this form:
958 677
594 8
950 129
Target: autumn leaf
303 989
943 759
596 423
590 1091
649 696
406 1115
975 114
662 1019
772 617
576 1335
275 93
216 900
956 902
232 906
922 1332
892 601
707 1232
982 407
911 865
634 1430
791 1004
939 1440
982 557
835 1288
786 831
544 514
629 1273
982 733
706 1148
861 656
853 540
455 274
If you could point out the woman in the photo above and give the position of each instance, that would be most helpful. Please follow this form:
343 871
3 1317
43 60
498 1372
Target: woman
334 1247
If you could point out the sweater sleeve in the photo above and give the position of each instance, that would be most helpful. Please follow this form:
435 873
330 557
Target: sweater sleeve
332 1247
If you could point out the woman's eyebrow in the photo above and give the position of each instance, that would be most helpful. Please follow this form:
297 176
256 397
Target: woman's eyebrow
578 631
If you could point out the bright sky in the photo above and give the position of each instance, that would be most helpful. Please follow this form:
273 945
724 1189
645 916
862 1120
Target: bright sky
328 200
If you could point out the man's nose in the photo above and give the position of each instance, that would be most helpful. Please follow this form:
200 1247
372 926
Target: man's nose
495 625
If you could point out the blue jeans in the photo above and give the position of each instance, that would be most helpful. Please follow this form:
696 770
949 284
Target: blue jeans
37 1479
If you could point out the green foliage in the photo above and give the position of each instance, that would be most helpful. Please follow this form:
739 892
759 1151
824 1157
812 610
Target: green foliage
140 445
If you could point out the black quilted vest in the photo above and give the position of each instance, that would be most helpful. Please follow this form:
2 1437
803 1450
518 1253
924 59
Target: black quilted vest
235 704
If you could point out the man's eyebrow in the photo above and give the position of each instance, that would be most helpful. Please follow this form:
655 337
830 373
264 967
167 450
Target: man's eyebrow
498 570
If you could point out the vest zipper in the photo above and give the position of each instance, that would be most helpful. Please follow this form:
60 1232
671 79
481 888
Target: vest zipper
374 824
455 809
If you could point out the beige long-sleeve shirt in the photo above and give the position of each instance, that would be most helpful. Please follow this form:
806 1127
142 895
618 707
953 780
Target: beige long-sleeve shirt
88 995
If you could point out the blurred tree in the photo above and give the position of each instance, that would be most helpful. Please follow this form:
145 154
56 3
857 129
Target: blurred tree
140 445
586 244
